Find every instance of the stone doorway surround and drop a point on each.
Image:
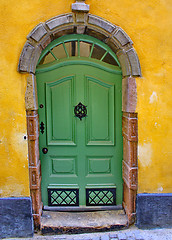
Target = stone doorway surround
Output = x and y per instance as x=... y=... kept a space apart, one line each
x=81 y=22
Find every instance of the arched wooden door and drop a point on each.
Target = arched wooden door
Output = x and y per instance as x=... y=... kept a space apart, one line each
x=79 y=95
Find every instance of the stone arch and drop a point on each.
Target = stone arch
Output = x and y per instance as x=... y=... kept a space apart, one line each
x=81 y=22
x=89 y=24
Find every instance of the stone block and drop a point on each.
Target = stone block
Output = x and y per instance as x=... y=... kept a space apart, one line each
x=113 y=44
x=129 y=94
x=37 y=220
x=124 y=62
x=134 y=62
x=35 y=176
x=80 y=7
x=129 y=128
x=31 y=101
x=129 y=175
x=35 y=58
x=44 y=43
x=105 y=237
x=96 y=32
x=36 y=200
x=65 y=30
x=130 y=152
x=16 y=217
x=33 y=151
x=80 y=29
x=95 y=238
x=122 y=37
x=113 y=235
x=138 y=236
x=81 y=17
x=154 y=210
x=95 y=20
x=37 y=33
x=26 y=57
x=122 y=236
x=129 y=202
x=32 y=127
x=58 y=21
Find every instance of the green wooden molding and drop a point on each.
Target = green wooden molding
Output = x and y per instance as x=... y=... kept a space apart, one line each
x=79 y=38
x=76 y=61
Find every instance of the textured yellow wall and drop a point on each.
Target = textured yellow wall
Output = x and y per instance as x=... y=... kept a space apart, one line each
x=147 y=23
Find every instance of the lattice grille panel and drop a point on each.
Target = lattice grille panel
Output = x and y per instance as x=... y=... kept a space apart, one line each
x=63 y=197
x=100 y=196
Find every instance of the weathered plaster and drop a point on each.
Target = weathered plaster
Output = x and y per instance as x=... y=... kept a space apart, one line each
x=147 y=23
x=145 y=154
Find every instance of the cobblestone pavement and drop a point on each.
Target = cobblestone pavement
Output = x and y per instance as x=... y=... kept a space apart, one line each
x=132 y=233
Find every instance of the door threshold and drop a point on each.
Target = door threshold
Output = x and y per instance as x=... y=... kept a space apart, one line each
x=82 y=208
x=58 y=222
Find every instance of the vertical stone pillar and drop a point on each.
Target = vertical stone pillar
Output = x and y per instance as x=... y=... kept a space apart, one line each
x=33 y=146
x=130 y=139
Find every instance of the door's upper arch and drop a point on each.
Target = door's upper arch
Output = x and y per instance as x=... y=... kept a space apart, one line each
x=44 y=33
x=77 y=46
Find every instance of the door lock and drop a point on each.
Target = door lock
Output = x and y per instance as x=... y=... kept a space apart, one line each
x=45 y=150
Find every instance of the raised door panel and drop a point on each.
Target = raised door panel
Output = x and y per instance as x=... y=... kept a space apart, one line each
x=99 y=165
x=63 y=166
x=100 y=126
x=59 y=106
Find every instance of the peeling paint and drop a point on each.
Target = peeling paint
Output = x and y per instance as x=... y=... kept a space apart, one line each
x=160 y=189
x=153 y=98
x=145 y=154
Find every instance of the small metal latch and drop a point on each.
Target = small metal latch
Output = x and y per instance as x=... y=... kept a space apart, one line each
x=42 y=127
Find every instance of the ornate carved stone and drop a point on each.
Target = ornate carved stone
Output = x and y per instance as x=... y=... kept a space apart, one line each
x=34 y=163
x=130 y=167
x=129 y=128
x=35 y=176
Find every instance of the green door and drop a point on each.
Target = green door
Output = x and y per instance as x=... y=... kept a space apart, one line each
x=81 y=158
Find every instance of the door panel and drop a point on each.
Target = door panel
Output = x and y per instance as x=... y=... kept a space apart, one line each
x=100 y=128
x=59 y=103
x=99 y=165
x=62 y=165
x=82 y=154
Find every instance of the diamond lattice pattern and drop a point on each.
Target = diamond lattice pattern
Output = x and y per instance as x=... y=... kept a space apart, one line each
x=63 y=197
x=101 y=197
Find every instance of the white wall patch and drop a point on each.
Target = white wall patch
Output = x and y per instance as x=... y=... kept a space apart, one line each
x=145 y=154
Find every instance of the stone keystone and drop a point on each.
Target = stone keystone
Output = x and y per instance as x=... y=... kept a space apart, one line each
x=80 y=6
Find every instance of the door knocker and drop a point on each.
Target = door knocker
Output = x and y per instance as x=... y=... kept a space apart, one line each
x=80 y=111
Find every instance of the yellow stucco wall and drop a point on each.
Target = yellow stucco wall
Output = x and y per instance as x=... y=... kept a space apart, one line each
x=147 y=23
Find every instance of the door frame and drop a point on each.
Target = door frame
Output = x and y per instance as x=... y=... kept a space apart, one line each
x=82 y=22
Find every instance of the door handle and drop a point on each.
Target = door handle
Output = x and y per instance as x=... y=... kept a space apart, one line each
x=45 y=150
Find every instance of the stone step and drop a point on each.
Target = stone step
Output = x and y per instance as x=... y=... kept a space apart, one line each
x=82 y=222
